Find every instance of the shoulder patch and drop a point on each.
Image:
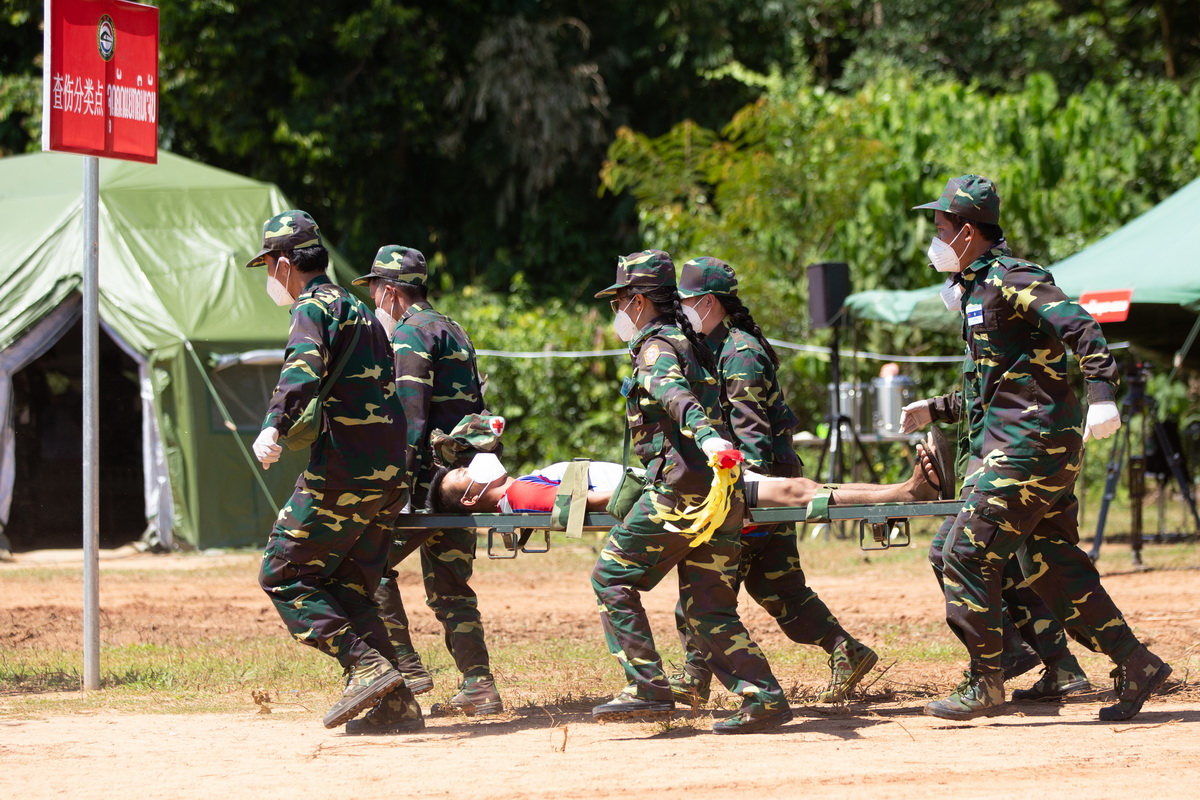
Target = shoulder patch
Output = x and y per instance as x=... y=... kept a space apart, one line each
x=651 y=354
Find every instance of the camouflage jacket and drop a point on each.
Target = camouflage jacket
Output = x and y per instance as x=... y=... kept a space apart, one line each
x=757 y=413
x=362 y=437
x=437 y=380
x=1015 y=387
x=672 y=405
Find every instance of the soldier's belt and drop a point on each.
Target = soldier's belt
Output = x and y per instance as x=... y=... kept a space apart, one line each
x=880 y=525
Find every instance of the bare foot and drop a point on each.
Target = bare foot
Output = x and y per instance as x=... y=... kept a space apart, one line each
x=920 y=485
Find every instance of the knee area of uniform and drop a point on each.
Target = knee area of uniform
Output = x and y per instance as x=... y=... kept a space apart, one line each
x=618 y=596
x=268 y=579
x=935 y=559
x=975 y=563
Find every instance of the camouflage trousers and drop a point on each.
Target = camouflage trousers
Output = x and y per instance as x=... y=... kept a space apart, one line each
x=1027 y=619
x=1023 y=507
x=770 y=570
x=328 y=547
x=447 y=563
x=638 y=555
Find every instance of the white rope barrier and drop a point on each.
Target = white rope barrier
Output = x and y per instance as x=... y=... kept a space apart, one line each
x=803 y=348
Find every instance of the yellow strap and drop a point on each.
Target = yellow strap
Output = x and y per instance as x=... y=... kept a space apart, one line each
x=570 y=501
x=576 y=477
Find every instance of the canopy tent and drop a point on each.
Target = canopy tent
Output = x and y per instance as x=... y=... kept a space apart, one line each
x=174 y=296
x=1155 y=255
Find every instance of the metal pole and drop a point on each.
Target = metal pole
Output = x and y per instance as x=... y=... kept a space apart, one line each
x=91 y=406
x=835 y=415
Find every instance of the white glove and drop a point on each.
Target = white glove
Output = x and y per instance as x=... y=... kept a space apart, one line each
x=1103 y=419
x=265 y=447
x=715 y=444
x=915 y=416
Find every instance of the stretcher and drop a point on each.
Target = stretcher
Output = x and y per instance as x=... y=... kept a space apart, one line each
x=880 y=525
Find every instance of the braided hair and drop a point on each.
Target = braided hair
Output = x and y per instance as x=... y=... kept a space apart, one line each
x=740 y=318
x=665 y=300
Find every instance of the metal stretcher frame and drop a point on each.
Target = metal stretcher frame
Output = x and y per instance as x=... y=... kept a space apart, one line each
x=885 y=525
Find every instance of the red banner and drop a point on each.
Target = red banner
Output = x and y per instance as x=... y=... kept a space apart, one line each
x=100 y=80
x=1112 y=306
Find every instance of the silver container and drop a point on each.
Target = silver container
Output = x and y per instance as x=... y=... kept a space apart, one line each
x=891 y=396
x=854 y=400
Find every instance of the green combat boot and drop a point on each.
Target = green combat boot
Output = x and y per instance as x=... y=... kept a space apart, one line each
x=1134 y=679
x=627 y=705
x=1058 y=680
x=754 y=717
x=477 y=695
x=689 y=690
x=848 y=663
x=399 y=712
x=368 y=680
x=976 y=696
x=416 y=677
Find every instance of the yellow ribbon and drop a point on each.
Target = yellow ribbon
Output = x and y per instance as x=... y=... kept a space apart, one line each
x=710 y=514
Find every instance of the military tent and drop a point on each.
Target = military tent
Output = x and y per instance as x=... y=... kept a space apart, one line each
x=1154 y=255
x=190 y=348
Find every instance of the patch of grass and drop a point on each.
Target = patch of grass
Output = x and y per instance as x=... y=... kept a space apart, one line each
x=535 y=668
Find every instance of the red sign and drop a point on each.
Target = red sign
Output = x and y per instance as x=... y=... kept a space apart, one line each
x=1110 y=306
x=100 y=80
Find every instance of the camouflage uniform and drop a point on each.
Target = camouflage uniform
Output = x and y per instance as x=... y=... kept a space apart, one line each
x=761 y=422
x=1028 y=623
x=438 y=383
x=330 y=542
x=1027 y=425
x=672 y=406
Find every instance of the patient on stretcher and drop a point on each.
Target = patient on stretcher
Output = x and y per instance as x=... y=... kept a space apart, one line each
x=454 y=491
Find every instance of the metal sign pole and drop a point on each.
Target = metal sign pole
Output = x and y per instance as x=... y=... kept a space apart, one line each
x=91 y=407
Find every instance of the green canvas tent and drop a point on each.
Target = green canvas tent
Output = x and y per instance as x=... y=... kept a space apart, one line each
x=175 y=298
x=1155 y=255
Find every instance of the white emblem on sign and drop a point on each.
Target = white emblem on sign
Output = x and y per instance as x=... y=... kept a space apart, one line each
x=106 y=37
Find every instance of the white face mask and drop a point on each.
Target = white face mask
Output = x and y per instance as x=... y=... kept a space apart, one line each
x=942 y=255
x=484 y=469
x=277 y=290
x=952 y=294
x=696 y=319
x=623 y=325
x=385 y=319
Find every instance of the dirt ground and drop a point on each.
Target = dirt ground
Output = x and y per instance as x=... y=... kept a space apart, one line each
x=885 y=747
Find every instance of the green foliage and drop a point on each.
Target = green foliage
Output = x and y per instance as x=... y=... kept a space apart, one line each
x=20 y=76
x=557 y=408
x=1177 y=400
x=1000 y=45
x=806 y=174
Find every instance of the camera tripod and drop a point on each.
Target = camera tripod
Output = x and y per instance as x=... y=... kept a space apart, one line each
x=1137 y=402
x=834 y=438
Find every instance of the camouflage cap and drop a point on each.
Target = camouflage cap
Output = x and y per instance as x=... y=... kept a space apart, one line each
x=647 y=268
x=397 y=263
x=287 y=231
x=707 y=275
x=476 y=433
x=971 y=197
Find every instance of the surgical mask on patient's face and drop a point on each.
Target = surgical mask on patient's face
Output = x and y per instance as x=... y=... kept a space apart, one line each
x=484 y=469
